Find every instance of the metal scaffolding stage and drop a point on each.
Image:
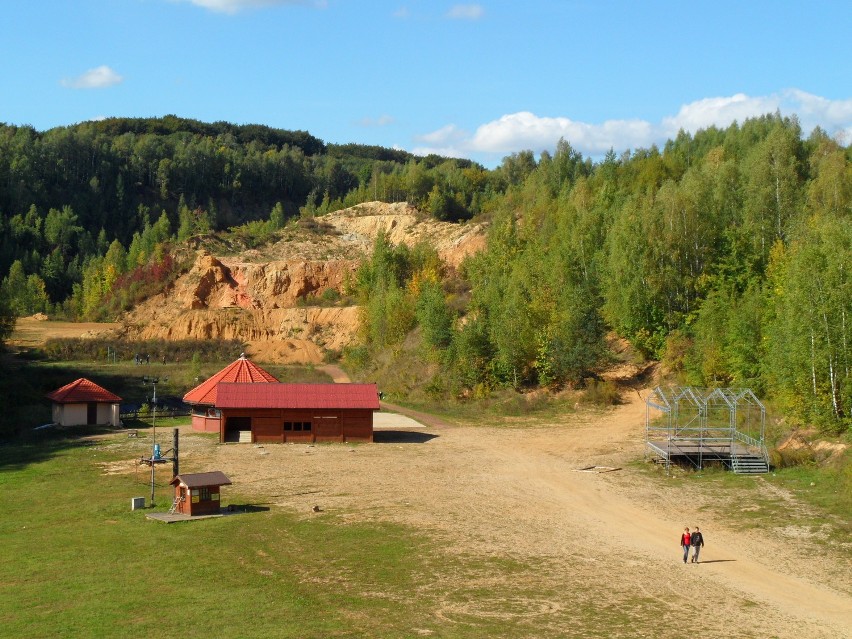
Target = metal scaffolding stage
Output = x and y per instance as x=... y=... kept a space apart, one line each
x=694 y=426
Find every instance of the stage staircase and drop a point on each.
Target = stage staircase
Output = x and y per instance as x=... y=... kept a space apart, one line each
x=749 y=464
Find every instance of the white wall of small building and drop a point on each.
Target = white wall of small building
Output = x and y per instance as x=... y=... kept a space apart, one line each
x=108 y=414
x=70 y=414
x=78 y=414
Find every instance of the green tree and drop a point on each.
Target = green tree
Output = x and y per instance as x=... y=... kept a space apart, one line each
x=277 y=217
x=433 y=315
x=773 y=189
x=7 y=318
x=811 y=337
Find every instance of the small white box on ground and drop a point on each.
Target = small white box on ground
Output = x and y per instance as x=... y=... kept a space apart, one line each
x=136 y=503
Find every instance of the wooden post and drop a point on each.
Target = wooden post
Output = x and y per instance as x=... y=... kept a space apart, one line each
x=175 y=462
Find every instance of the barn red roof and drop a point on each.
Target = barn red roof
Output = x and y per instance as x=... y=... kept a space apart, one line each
x=194 y=480
x=241 y=371
x=82 y=390
x=364 y=396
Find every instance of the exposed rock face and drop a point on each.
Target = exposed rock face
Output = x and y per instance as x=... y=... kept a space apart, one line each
x=403 y=225
x=222 y=283
x=261 y=297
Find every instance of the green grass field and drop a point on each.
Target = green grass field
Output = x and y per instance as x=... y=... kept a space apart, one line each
x=78 y=562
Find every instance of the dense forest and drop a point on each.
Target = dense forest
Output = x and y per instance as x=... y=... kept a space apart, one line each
x=726 y=253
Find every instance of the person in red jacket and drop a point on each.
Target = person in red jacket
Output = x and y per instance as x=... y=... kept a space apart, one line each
x=697 y=541
x=685 y=541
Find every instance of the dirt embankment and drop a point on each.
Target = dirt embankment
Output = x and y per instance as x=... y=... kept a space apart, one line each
x=263 y=297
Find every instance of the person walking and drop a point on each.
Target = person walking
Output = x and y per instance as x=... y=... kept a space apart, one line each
x=685 y=541
x=696 y=539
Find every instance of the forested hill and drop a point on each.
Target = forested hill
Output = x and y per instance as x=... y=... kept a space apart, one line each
x=727 y=253
x=106 y=170
x=68 y=193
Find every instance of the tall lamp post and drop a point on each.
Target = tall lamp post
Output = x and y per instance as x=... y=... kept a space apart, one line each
x=153 y=381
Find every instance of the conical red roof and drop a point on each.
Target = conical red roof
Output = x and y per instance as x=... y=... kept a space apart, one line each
x=82 y=391
x=241 y=372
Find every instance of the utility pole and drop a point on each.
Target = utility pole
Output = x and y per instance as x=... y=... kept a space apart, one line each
x=154 y=456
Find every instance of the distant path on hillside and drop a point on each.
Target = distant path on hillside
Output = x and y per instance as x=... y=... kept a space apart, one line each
x=423 y=418
x=337 y=374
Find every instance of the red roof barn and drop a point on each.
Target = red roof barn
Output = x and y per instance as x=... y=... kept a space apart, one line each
x=297 y=412
x=205 y=415
x=84 y=402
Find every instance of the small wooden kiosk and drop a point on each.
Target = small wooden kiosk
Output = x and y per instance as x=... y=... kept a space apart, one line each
x=198 y=493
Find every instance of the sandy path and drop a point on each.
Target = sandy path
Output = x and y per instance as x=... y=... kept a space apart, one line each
x=599 y=510
x=514 y=491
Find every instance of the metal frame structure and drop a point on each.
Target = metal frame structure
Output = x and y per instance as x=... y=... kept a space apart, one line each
x=697 y=425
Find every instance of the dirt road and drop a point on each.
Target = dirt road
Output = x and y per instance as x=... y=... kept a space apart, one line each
x=515 y=491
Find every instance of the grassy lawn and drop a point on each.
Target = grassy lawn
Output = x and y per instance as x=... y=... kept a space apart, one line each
x=79 y=562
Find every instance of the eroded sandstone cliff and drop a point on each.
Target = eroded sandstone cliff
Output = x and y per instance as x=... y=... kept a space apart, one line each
x=269 y=298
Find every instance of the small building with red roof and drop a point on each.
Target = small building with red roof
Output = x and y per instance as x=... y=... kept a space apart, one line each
x=244 y=403
x=205 y=416
x=305 y=413
x=83 y=402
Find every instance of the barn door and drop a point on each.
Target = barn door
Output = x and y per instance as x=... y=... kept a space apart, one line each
x=91 y=413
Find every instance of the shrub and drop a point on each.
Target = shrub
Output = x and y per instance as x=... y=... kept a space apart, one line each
x=77 y=349
x=792 y=457
x=601 y=393
x=357 y=357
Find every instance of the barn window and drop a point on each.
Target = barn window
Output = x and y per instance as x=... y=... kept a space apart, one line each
x=204 y=493
x=297 y=426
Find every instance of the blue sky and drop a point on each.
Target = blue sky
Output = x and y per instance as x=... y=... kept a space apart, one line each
x=470 y=79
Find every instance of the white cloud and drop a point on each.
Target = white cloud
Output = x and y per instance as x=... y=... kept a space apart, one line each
x=235 y=6
x=524 y=130
x=466 y=12
x=98 y=78
x=721 y=112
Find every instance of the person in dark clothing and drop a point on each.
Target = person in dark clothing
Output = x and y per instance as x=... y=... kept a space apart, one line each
x=696 y=539
x=685 y=541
